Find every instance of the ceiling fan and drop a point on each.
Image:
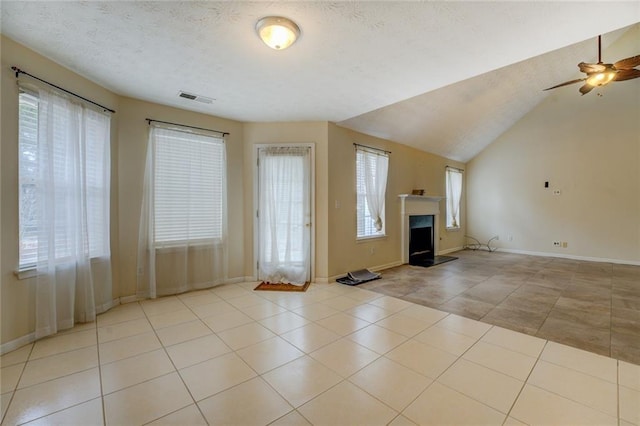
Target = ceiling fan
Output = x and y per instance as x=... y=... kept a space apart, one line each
x=601 y=74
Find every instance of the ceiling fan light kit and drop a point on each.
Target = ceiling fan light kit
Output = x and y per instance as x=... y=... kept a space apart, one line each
x=601 y=74
x=600 y=79
x=277 y=32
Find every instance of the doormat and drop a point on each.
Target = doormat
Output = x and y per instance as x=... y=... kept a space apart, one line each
x=267 y=286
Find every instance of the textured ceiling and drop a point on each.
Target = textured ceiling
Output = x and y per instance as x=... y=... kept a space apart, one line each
x=383 y=68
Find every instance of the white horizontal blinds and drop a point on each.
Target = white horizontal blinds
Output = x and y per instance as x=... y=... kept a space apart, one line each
x=368 y=163
x=454 y=194
x=364 y=223
x=64 y=173
x=98 y=164
x=28 y=177
x=189 y=183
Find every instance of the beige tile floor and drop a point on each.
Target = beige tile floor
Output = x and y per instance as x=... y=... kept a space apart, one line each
x=335 y=355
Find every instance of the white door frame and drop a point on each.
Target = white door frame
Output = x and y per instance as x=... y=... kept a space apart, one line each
x=312 y=201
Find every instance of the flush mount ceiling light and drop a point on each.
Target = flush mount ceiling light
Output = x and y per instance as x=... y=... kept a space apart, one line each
x=277 y=32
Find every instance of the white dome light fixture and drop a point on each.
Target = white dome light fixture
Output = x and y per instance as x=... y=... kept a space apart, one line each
x=277 y=32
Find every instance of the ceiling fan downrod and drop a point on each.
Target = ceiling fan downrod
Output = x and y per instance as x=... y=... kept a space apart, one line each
x=599 y=49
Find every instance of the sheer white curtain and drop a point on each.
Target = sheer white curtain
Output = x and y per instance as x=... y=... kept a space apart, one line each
x=284 y=214
x=376 y=167
x=454 y=193
x=183 y=222
x=72 y=209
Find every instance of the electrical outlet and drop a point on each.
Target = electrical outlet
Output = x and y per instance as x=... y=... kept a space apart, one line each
x=557 y=192
x=564 y=244
x=557 y=244
x=372 y=250
x=510 y=237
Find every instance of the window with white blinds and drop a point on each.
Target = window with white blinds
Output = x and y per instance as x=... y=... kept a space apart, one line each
x=365 y=224
x=28 y=178
x=189 y=187
x=68 y=163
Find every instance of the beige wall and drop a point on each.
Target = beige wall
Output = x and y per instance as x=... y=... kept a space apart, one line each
x=18 y=297
x=275 y=133
x=587 y=147
x=132 y=147
x=408 y=169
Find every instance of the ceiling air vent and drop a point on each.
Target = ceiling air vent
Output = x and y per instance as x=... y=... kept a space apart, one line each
x=197 y=98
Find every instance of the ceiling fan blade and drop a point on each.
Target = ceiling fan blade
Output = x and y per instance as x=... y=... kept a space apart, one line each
x=586 y=89
x=628 y=63
x=591 y=68
x=566 y=83
x=626 y=74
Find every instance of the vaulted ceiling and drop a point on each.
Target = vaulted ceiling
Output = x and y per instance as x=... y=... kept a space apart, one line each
x=444 y=77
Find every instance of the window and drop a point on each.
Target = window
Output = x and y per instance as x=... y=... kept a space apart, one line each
x=371 y=185
x=64 y=172
x=189 y=187
x=454 y=193
x=28 y=176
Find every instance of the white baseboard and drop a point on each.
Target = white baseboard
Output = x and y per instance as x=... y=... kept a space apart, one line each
x=571 y=256
x=17 y=343
x=235 y=280
x=386 y=266
x=451 y=250
x=129 y=299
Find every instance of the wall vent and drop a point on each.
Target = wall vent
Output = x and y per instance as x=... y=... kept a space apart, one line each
x=197 y=98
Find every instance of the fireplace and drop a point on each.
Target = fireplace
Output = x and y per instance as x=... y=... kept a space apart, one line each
x=421 y=243
x=419 y=213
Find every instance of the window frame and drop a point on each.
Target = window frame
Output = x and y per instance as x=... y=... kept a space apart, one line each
x=166 y=244
x=361 y=200
x=26 y=269
x=448 y=225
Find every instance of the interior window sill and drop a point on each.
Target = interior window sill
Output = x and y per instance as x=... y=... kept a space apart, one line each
x=453 y=229
x=24 y=274
x=370 y=238
x=30 y=272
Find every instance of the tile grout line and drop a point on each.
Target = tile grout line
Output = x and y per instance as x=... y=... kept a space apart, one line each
x=104 y=412
x=15 y=389
x=526 y=381
x=175 y=368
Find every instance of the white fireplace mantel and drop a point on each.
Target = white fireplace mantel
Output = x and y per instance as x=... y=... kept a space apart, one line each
x=413 y=205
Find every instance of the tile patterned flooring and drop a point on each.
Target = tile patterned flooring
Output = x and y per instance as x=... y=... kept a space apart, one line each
x=335 y=355
x=588 y=305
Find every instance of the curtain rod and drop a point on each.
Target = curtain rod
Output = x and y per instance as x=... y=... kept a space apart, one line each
x=150 y=120
x=454 y=168
x=18 y=71
x=373 y=148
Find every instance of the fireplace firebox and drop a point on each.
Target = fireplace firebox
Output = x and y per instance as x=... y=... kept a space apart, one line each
x=421 y=239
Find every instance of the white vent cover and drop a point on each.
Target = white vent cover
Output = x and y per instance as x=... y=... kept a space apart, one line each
x=197 y=98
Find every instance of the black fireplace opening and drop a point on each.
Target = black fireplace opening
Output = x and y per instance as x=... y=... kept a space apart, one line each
x=421 y=244
x=422 y=250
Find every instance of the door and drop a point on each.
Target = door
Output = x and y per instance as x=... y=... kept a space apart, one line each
x=284 y=213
